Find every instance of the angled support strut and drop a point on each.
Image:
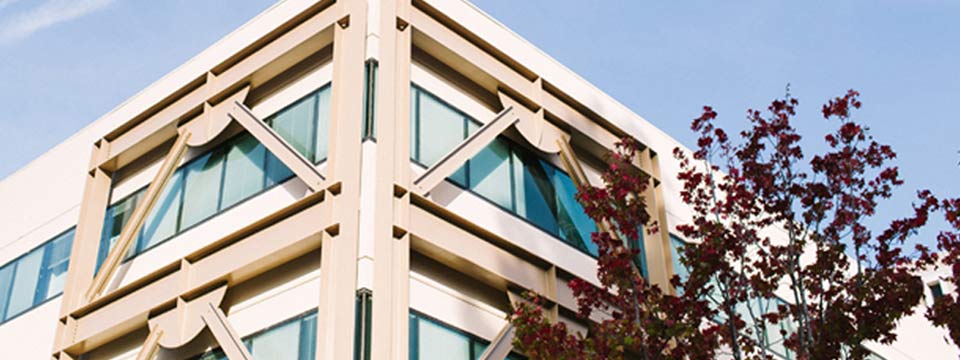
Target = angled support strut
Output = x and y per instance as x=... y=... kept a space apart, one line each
x=467 y=149
x=128 y=234
x=279 y=147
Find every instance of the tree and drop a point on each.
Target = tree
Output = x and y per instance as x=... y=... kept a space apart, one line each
x=945 y=311
x=768 y=223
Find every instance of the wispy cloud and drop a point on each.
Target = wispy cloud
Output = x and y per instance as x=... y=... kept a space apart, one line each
x=5 y=3
x=20 y=25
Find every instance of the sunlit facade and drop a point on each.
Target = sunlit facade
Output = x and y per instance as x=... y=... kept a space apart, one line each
x=352 y=179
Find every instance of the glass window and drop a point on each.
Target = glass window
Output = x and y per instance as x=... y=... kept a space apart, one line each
x=490 y=175
x=35 y=277
x=222 y=177
x=6 y=282
x=432 y=340
x=26 y=277
x=243 y=170
x=506 y=174
x=162 y=221
x=439 y=127
x=575 y=226
x=535 y=192
x=117 y=217
x=279 y=343
x=676 y=251
x=55 y=263
x=294 y=339
x=201 y=188
x=438 y=343
x=936 y=290
x=323 y=124
x=296 y=125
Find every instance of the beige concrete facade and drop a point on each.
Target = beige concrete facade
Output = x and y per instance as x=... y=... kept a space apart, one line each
x=368 y=220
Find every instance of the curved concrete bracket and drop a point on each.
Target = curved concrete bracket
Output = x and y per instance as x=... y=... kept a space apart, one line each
x=540 y=133
x=215 y=118
x=183 y=323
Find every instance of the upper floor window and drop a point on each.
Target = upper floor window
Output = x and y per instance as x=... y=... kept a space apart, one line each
x=294 y=339
x=506 y=174
x=34 y=277
x=224 y=176
x=432 y=340
x=936 y=290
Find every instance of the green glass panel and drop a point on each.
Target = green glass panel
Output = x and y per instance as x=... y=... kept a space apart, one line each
x=162 y=221
x=243 y=170
x=323 y=124
x=440 y=129
x=297 y=125
x=490 y=174
x=201 y=189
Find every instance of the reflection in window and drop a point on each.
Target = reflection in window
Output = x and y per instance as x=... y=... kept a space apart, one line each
x=226 y=175
x=506 y=174
x=35 y=277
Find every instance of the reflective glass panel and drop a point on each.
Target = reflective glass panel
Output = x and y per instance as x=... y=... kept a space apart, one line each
x=440 y=129
x=6 y=282
x=201 y=189
x=279 y=343
x=243 y=170
x=297 y=126
x=490 y=174
x=323 y=124
x=162 y=221
x=25 y=281
x=439 y=343
x=56 y=261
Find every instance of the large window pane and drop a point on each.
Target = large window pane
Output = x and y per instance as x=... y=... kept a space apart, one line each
x=575 y=226
x=117 y=217
x=297 y=125
x=279 y=343
x=201 y=189
x=323 y=124
x=490 y=174
x=6 y=282
x=438 y=343
x=244 y=170
x=534 y=191
x=308 y=337
x=162 y=221
x=676 y=249
x=440 y=129
x=56 y=260
x=25 y=282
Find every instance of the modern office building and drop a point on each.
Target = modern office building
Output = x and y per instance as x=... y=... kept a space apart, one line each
x=359 y=179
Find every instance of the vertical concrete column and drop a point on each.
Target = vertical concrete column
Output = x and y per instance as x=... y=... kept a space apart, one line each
x=335 y=316
x=86 y=241
x=391 y=248
x=656 y=246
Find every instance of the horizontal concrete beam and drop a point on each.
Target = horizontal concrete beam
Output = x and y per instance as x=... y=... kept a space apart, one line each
x=257 y=248
x=256 y=68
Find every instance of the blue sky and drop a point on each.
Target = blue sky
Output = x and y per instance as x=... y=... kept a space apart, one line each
x=64 y=63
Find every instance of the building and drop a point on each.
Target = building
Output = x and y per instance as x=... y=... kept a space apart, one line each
x=368 y=179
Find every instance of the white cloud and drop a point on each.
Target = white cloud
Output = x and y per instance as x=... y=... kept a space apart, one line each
x=20 y=25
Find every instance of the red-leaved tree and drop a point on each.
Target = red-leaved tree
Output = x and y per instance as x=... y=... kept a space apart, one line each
x=779 y=259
